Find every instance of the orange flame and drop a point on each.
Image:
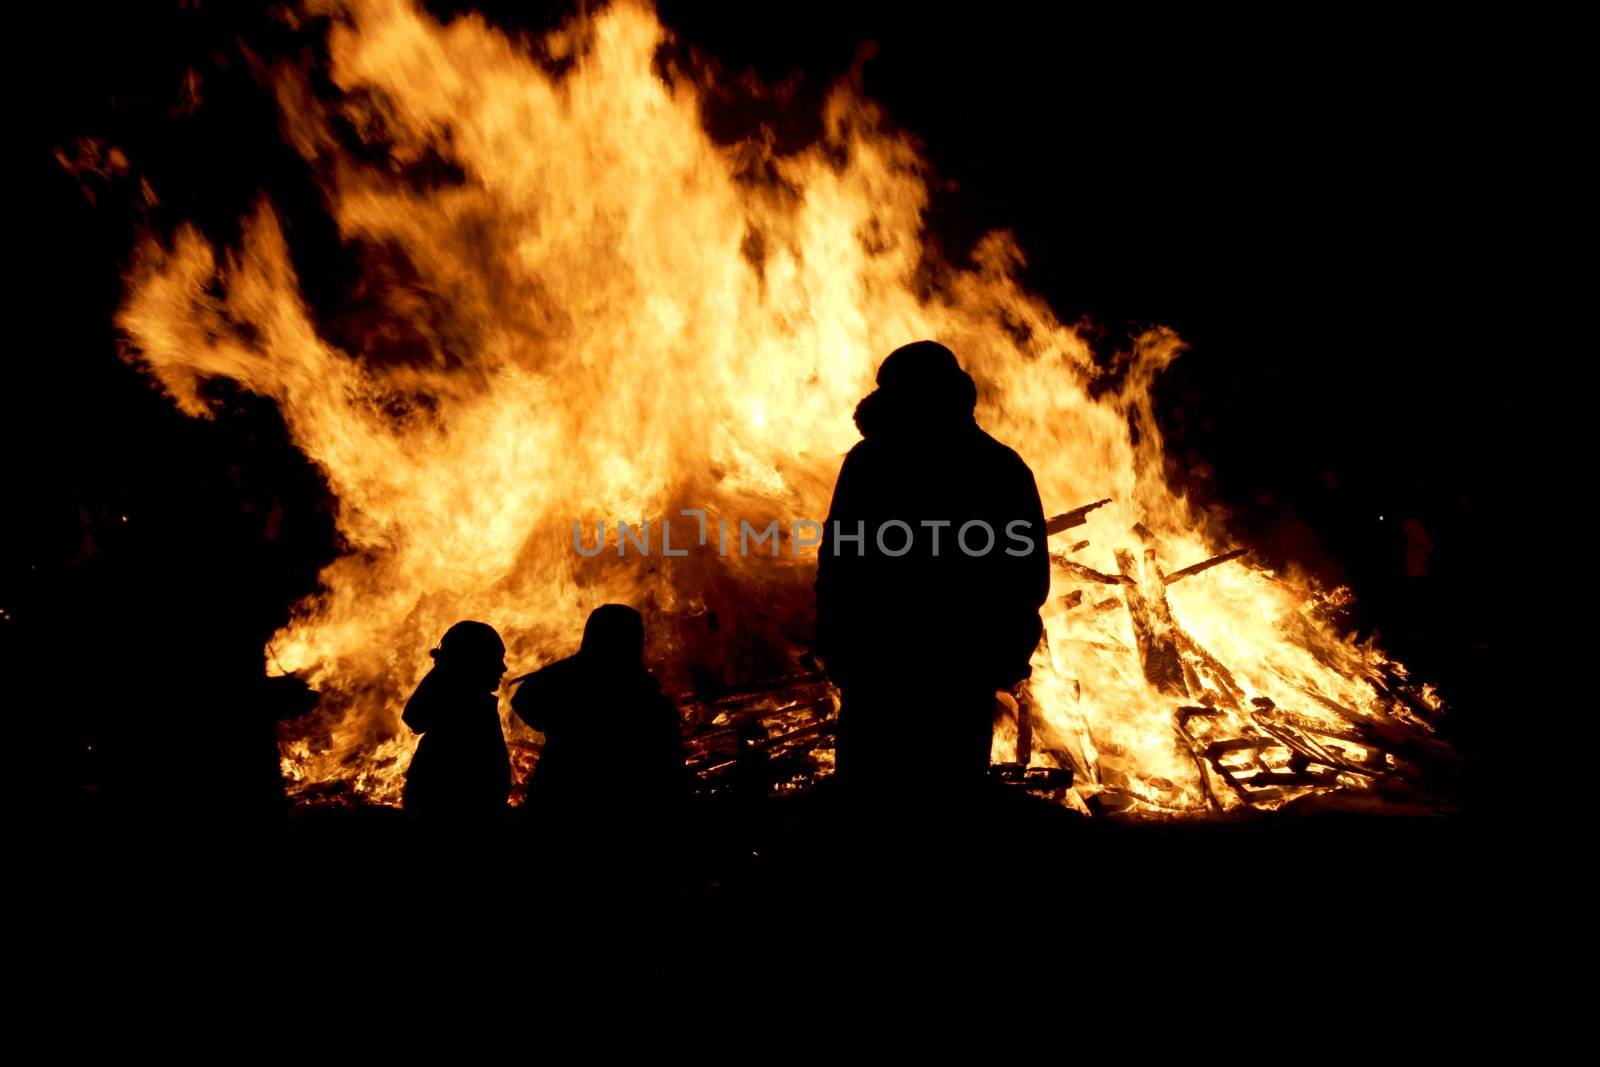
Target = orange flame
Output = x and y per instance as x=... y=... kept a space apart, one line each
x=601 y=313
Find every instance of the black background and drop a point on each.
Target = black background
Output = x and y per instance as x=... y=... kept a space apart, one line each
x=1333 y=208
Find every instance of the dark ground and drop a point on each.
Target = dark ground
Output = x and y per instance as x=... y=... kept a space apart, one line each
x=1336 y=210
x=1307 y=918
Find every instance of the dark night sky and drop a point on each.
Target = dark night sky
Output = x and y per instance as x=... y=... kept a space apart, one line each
x=1330 y=206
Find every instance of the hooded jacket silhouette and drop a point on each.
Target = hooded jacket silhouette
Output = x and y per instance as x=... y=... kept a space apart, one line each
x=612 y=740
x=461 y=767
x=936 y=606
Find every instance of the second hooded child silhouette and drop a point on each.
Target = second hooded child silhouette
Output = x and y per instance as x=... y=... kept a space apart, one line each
x=611 y=736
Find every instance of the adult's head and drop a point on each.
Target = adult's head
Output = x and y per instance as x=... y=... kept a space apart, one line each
x=920 y=386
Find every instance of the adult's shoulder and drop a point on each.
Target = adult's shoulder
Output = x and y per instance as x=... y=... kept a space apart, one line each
x=865 y=456
x=863 y=451
x=1002 y=454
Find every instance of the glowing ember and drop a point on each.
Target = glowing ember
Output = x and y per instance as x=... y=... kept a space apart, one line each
x=586 y=309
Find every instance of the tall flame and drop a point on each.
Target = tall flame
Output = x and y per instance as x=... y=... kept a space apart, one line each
x=588 y=309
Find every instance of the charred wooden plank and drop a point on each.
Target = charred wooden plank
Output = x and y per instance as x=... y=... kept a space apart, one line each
x=1307 y=747
x=1396 y=737
x=1408 y=703
x=1068 y=519
x=713 y=758
x=754 y=689
x=1249 y=774
x=1349 y=732
x=1253 y=781
x=1276 y=780
x=1229 y=692
x=1034 y=778
x=1217 y=749
x=1189 y=711
x=1025 y=713
x=1191 y=679
x=1153 y=627
x=787 y=740
x=1087 y=574
x=1197 y=753
x=1203 y=565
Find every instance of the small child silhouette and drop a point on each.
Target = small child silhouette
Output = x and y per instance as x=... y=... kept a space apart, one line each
x=461 y=768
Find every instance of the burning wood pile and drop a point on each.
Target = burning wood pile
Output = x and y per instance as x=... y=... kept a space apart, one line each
x=1249 y=753
x=570 y=302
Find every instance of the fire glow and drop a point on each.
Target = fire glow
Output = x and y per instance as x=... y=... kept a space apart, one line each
x=585 y=305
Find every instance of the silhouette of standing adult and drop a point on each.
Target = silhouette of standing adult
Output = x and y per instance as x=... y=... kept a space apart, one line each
x=612 y=742
x=931 y=572
x=461 y=769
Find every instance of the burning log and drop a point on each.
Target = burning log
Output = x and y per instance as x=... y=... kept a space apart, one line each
x=779 y=721
x=1293 y=764
x=1396 y=737
x=756 y=689
x=1203 y=565
x=1087 y=574
x=721 y=758
x=1408 y=701
x=1256 y=780
x=1040 y=779
x=1227 y=690
x=1068 y=519
x=1153 y=627
x=1196 y=752
x=1349 y=734
x=1243 y=763
x=1305 y=745
x=1018 y=705
x=788 y=696
x=1024 y=725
